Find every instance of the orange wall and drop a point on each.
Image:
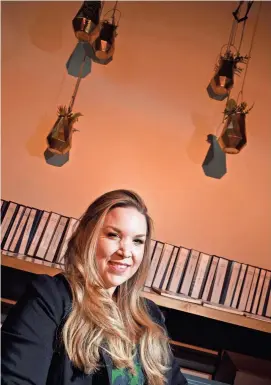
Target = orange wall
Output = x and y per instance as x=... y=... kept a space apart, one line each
x=146 y=118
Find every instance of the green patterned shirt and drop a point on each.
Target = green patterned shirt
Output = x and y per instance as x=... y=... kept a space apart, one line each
x=124 y=377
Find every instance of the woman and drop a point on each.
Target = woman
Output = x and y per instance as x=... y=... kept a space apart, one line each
x=90 y=325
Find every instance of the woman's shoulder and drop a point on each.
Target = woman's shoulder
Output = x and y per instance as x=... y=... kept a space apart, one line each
x=154 y=311
x=54 y=291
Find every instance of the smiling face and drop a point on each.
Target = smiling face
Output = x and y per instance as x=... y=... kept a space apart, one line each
x=120 y=246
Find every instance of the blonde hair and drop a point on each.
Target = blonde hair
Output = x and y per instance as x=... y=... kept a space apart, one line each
x=96 y=320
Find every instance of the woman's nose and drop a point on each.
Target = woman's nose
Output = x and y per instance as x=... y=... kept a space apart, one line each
x=125 y=249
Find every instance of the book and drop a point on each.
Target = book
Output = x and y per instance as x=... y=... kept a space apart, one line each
x=170 y=267
x=56 y=239
x=239 y=285
x=189 y=272
x=200 y=275
x=246 y=288
x=19 y=230
x=264 y=293
x=258 y=292
x=178 y=270
x=8 y=220
x=25 y=233
x=268 y=305
x=154 y=263
x=252 y=290
x=47 y=234
x=72 y=225
x=42 y=220
x=15 y=223
x=210 y=278
x=219 y=280
x=162 y=266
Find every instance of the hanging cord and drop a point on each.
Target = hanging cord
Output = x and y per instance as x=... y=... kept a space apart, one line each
x=77 y=85
x=241 y=93
x=234 y=26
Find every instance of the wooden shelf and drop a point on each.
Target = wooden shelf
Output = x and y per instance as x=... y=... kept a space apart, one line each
x=170 y=303
x=31 y=267
x=203 y=311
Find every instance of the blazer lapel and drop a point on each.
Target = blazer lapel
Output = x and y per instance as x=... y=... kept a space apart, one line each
x=108 y=365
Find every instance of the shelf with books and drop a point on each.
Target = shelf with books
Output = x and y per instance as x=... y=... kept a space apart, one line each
x=203 y=311
x=31 y=267
x=166 y=302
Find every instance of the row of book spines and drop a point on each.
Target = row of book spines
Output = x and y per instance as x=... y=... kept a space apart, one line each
x=44 y=235
x=35 y=233
x=210 y=278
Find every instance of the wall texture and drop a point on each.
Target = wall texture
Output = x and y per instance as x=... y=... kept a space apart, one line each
x=146 y=118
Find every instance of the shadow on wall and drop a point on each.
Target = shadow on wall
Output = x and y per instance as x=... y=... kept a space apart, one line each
x=37 y=144
x=44 y=14
x=196 y=147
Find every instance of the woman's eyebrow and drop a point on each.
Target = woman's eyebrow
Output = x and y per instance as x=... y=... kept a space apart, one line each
x=119 y=231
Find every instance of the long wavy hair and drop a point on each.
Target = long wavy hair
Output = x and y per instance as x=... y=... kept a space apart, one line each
x=121 y=324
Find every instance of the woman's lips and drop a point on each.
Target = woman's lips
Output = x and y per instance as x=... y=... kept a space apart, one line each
x=117 y=267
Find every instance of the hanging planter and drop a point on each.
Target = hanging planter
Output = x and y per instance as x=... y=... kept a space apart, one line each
x=221 y=84
x=86 y=23
x=101 y=50
x=233 y=137
x=60 y=138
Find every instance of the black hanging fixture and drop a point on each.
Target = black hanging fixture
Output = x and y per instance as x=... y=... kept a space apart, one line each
x=86 y=23
x=222 y=82
x=102 y=49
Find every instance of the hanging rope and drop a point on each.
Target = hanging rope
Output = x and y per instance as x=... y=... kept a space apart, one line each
x=250 y=50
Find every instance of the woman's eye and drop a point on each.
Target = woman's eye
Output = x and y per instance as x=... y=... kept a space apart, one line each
x=112 y=235
x=139 y=241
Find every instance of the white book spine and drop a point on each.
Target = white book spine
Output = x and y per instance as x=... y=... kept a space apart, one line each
x=152 y=246
x=48 y=234
x=246 y=288
x=19 y=230
x=154 y=263
x=268 y=309
x=252 y=290
x=264 y=292
x=70 y=230
x=170 y=267
x=219 y=280
x=193 y=259
x=201 y=273
x=14 y=227
x=49 y=256
x=26 y=234
x=164 y=260
x=210 y=278
x=233 y=282
x=38 y=233
x=258 y=291
x=239 y=285
x=178 y=269
x=6 y=221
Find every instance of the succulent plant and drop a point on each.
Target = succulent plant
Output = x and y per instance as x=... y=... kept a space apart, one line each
x=233 y=108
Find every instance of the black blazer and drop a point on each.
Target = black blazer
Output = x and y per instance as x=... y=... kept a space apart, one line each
x=31 y=354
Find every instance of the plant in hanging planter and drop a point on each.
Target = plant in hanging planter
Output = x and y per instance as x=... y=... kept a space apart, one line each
x=233 y=108
x=60 y=138
x=233 y=137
